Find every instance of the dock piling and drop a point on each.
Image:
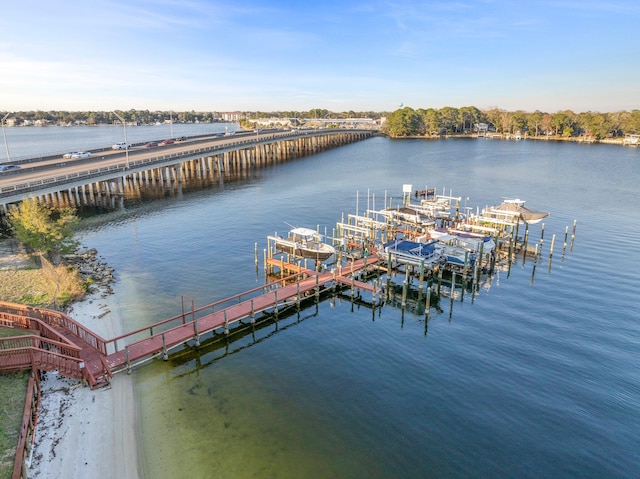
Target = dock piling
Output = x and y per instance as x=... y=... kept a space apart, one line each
x=128 y=360
x=165 y=354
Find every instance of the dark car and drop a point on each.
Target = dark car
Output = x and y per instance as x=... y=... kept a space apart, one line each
x=167 y=142
x=181 y=138
x=151 y=144
x=9 y=167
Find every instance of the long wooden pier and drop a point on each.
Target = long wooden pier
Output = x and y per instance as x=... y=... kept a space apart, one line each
x=77 y=352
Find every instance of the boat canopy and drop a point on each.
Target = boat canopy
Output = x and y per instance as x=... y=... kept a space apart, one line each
x=517 y=207
x=304 y=232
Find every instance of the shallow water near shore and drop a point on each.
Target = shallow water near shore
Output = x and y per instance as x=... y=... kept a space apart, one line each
x=536 y=376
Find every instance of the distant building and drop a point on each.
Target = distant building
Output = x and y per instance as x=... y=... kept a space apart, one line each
x=13 y=121
x=272 y=122
x=233 y=116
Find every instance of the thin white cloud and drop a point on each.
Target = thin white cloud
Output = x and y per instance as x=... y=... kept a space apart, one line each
x=215 y=54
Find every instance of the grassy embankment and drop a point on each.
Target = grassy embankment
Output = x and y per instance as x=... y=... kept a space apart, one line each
x=22 y=281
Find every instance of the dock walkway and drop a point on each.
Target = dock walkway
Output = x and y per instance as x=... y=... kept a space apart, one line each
x=160 y=343
x=97 y=364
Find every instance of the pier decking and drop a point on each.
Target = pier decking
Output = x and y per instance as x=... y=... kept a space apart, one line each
x=363 y=243
x=95 y=360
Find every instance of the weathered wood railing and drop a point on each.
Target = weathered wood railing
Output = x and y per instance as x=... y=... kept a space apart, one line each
x=50 y=351
x=195 y=313
x=27 y=428
x=56 y=318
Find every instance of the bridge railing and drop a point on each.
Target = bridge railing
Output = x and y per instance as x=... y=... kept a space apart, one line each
x=30 y=186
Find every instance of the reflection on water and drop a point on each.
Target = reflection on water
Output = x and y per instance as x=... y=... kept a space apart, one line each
x=512 y=381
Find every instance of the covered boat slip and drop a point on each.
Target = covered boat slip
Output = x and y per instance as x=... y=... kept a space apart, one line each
x=516 y=210
x=433 y=236
x=412 y=252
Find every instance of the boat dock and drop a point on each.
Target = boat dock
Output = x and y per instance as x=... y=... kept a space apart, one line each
x=95 y=360
x=430 y=241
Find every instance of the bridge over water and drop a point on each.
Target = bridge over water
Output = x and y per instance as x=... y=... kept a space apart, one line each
x=108 y=174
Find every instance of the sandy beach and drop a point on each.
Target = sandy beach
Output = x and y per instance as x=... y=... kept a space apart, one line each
x=83 y=433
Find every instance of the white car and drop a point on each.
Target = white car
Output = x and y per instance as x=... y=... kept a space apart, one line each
x=120 y=146
x=81 y=154
x=70 y=154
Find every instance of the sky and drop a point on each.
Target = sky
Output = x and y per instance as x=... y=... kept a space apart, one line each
x=281 y=55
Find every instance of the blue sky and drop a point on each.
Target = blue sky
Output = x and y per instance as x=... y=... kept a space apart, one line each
x=210 y=55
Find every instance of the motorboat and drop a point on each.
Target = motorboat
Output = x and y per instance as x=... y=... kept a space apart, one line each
x=515 y=208
x=303 y=243
x=472 y=242
x=412 y=252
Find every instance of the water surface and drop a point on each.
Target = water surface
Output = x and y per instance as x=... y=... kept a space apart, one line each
x=536 y=376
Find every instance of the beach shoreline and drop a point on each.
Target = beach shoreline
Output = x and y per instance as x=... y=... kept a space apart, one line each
x=82 y=432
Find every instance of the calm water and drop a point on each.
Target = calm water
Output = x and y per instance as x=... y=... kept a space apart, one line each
x=536 y=377
x=27 y=142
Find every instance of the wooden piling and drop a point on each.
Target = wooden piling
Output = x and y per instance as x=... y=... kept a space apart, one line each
x=427 y=303
x=128 y=360
x=195 y=330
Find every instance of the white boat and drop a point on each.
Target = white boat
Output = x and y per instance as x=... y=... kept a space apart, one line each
x=303 y=243
x=516 y=209
x=472 y=242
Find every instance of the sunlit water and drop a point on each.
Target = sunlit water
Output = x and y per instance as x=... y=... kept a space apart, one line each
x=537 y=376
x=29 y=142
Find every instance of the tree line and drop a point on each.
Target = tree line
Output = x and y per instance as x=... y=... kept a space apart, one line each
x=451 y=121
x=147 y=117
x=141 y=117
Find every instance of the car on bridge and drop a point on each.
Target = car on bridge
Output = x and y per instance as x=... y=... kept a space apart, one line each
x=70 y=154
x=81 y=154
x=151 y=144
x=121 y=146
x=9 y=167
x=166 y=142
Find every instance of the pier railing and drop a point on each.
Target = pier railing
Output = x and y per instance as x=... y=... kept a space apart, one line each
x=193 y=314
x=56 y=318
x=27 y=428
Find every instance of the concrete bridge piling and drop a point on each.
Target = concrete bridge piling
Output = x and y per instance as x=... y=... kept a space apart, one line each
x=168 y=174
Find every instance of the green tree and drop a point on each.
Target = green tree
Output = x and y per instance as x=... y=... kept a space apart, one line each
x=518 y=121
x=632 y=122
x=404 y=122
x=534 y=122
x=431 y=121
x=469 y=116
x=494 y=117
x=598 y=125
x=47 y=231
x=560 y=122
x=449 y=119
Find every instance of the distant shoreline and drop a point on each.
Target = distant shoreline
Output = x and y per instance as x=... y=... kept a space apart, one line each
x=509 y=137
